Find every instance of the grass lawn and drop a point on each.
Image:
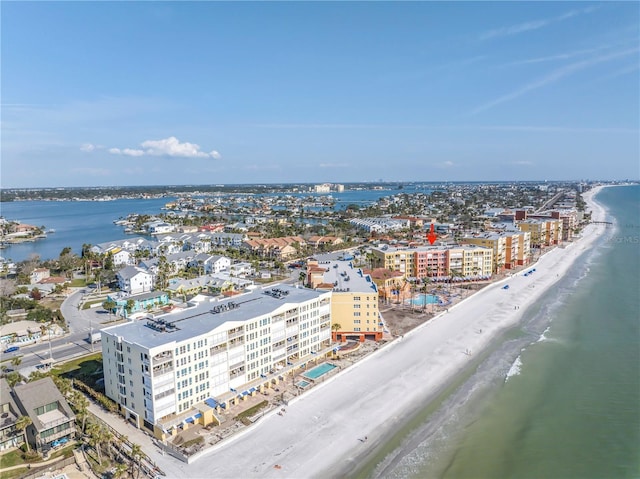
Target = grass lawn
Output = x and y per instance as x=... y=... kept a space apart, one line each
x=14 y=473
x=88 y=304
x=12 y=458
x=84 y=366
x=78 y=283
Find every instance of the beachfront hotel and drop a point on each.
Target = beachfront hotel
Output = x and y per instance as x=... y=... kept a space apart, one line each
x=354 y=300
x=510 y=248
x=544 y=232
x=186 y=365
x=436 y=262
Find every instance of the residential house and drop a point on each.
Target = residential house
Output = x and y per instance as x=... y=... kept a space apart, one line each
x=139 y=302
x=280 y=248
x=322 y=241
x=159 y=227
x=134 y=280
x=210 y=263
x=10 y=436
x=52 y=421
x=39 y=274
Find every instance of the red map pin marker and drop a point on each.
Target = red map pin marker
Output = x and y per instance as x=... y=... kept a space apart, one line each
x=432 y=235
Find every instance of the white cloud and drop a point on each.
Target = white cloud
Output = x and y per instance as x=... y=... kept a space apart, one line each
x=167 y=147
x=88 y=147
x=553 y=77
x=522 y=163
x=333 y=165
x=534 y=24
x=445 y=164
x=132 y=152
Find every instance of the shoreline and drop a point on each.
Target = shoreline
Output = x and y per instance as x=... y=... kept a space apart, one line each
x=342 y=421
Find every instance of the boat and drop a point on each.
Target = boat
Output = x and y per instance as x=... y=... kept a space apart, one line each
x=51 y=230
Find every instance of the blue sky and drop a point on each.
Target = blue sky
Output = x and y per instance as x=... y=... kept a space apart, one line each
x=121 y=93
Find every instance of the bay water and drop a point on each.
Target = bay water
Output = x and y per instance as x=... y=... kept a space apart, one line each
x=79 y=222
x=558 y=396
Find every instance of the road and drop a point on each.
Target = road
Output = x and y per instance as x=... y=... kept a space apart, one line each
x=80 y=321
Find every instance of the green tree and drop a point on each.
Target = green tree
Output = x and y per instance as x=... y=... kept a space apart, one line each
x=109 y=305
x=129 y=306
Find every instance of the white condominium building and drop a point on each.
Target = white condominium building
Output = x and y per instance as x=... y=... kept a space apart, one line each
x=161 y=368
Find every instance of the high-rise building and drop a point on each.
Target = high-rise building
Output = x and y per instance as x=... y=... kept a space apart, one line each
x=164 y=370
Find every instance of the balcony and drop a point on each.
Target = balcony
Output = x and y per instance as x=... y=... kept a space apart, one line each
x=161 y=371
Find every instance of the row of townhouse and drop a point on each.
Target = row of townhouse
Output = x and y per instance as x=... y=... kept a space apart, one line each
x=279 y=248
x=381 y=225
x=52 y=421
x=141 y=278
x=124 y=251
x=184 y=366
x=438 y=261
x=354 y=300
x=204 y=262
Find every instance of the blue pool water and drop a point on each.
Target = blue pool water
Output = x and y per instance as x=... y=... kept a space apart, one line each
x=302 y=384
x=423 y=299
x=318 y=371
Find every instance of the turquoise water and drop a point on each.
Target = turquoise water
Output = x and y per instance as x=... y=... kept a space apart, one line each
x=423 y=299
x=318 y=371
x=558 y=396
x=302 y=384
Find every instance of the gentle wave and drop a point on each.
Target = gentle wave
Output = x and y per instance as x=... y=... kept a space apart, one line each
x=515 y=369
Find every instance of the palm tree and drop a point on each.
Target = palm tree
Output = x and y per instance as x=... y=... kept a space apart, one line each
x=136 y=454
x=335 y=327
x=120 y=469
x=16 y=361
x=21 y=425
x=81 y=404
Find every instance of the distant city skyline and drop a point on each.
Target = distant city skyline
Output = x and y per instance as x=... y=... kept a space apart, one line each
x=152 y=93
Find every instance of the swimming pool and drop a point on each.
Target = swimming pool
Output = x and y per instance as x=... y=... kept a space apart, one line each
x=302 y=384
x=423 y=299
x=318 y=371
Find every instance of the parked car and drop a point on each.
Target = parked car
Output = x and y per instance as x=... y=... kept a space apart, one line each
x=506 y=286
x=12 y=349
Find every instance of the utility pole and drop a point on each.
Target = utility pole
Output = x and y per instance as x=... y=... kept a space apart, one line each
x=50 y=352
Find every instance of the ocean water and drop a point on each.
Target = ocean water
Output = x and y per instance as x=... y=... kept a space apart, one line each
x=559 y=395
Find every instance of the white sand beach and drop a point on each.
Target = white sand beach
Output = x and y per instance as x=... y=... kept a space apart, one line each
x=322 y=433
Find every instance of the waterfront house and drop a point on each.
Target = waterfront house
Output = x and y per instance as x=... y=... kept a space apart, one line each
x=52 y=420
x=159 y=227
x=38 y=275
x=121 y=256
x=134 y=280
